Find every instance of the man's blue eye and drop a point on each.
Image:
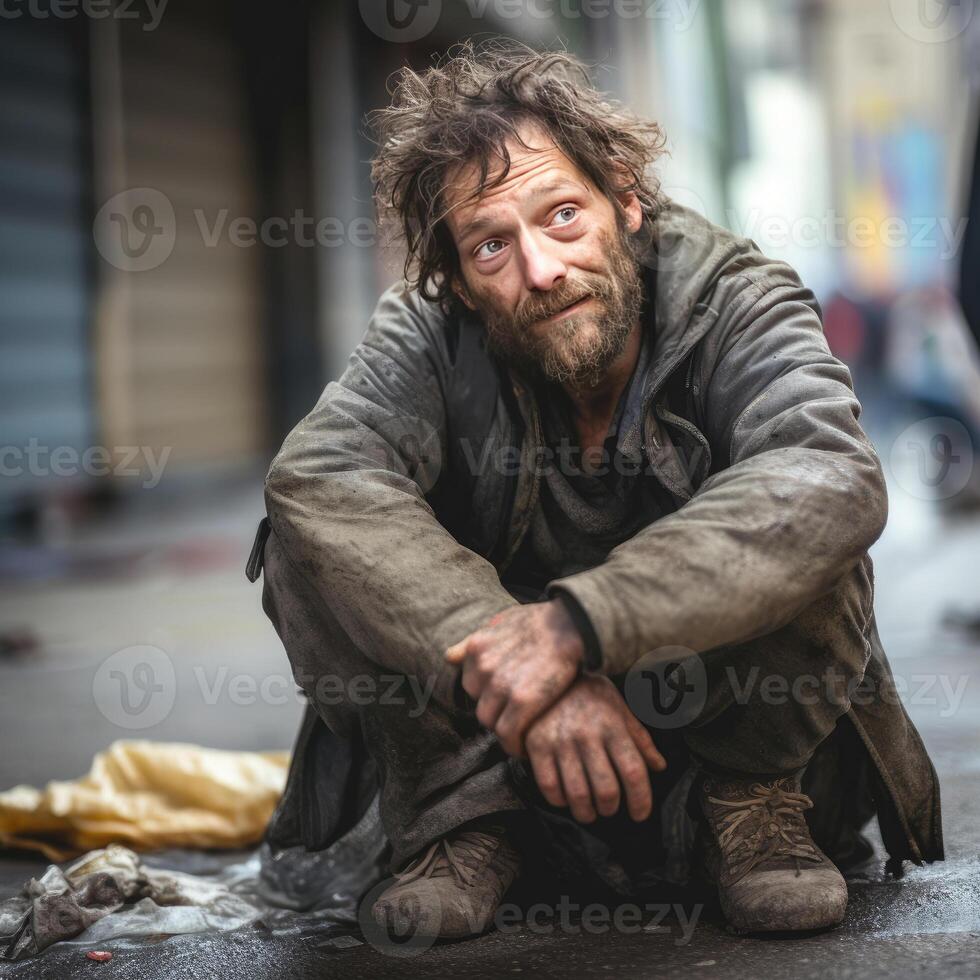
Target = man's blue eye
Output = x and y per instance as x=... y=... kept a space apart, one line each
x=573 y=211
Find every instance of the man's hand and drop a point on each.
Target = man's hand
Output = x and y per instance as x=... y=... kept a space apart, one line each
x=587 y=747
x=517 y=666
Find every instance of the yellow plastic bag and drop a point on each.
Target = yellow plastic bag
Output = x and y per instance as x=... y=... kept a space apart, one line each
x=149 y=795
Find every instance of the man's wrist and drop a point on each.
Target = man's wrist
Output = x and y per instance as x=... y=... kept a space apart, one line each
x=591 y=658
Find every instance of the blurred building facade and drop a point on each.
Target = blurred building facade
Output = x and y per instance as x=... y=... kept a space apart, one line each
x=231 y=137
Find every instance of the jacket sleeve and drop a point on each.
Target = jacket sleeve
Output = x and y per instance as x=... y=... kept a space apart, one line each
x=346 y=496
x=797 y=495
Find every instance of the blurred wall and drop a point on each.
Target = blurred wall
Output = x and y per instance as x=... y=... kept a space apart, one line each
x=156 y=323
x=189 y=249
x=179 y=352
x=46 y=256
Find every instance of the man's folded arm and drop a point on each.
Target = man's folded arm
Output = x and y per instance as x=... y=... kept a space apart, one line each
x=346 y=497
x=801 y=497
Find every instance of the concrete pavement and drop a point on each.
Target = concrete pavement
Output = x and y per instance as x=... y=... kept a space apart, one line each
x=209 y=623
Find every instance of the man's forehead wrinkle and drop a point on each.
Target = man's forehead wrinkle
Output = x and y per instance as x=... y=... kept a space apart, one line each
x=482 y=179
x=516 y=156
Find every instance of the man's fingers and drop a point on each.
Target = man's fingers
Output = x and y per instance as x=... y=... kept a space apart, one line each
x=602 y=779
x=634 y=776
x=456 y=654
x=474 y=680
x=575 y=786
x=488 y=709
x=546 y=776
x=513 y=723
x=651 y=754
x=644 y=742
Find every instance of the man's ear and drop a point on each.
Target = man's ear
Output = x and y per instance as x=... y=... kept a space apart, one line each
x=629 y=202
x=459 y=288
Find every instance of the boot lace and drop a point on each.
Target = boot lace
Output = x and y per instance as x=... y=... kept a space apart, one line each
x=767 y=824
x=462 y=857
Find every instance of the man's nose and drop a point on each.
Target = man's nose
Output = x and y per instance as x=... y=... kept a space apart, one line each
x=542 y=268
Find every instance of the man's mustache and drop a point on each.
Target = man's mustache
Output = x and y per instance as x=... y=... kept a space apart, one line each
x=557 y=299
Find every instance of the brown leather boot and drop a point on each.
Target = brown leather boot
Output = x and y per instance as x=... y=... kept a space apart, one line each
x=455 y=888
x=771 y=876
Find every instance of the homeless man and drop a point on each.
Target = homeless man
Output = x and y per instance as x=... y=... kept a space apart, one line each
x=589 y=430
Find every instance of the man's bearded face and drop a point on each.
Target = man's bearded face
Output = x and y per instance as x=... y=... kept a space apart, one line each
x=545 y=259
x=581 y=346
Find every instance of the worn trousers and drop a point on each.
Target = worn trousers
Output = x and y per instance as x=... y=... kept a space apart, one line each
x=761 y=708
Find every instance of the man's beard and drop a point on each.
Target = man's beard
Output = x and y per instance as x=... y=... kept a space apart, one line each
x=580 y=348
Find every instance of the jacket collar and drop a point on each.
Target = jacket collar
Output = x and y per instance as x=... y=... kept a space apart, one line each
x=681 y=258
x=684 y=254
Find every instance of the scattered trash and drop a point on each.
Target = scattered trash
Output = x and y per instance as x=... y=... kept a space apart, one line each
x=99 y=955
x=114 y=895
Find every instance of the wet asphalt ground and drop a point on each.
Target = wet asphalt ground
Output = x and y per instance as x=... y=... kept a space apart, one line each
x=928 y=923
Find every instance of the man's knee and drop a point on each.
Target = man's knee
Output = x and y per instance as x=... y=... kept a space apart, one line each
x=771 y=701
x=833 y=634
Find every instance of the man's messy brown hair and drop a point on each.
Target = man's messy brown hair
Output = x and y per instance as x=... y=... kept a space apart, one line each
x=462 y=110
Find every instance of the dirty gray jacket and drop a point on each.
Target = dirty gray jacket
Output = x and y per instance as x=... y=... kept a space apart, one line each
x=749 y=422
